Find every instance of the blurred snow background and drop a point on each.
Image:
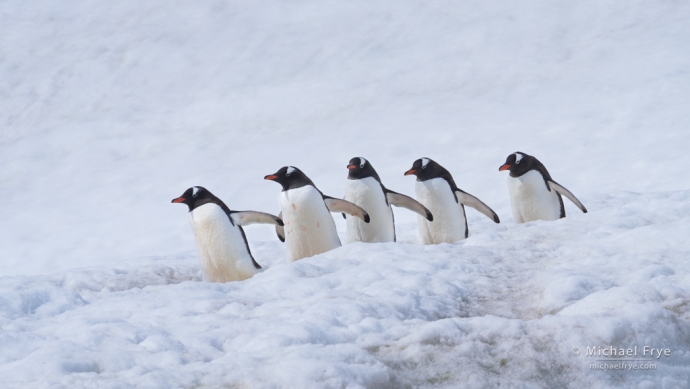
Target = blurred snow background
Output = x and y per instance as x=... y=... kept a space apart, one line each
x=110 y=109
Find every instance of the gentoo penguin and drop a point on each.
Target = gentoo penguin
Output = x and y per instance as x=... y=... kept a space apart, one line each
x=309 y=227
x=220 y=239
x=437 y=191
x=534 y=195
x=365 y=189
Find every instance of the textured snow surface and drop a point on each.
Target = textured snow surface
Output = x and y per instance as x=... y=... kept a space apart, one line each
x=108 y=110
x=506 y=306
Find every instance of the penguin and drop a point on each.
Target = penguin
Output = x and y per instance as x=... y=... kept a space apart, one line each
x=309 y=228
x=364 y=188
x=436 y=189
x=223 y=248
x=534 y=195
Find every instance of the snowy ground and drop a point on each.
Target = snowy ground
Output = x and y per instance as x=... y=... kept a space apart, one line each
x=108 y=110
x=504 y=307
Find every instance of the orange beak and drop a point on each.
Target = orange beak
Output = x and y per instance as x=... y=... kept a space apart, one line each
x=351 y=167
x=179 y=200
x=504 y=167
x=411 y=171
x=270 y=177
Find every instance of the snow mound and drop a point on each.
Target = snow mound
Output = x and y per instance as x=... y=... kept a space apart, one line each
x=504 y=307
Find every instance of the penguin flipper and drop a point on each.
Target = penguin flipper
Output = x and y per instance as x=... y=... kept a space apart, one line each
x=471 y=201
x=565 y=192
x=245 y=218
x=400 y=200
x=280 y=230
x=344 y=206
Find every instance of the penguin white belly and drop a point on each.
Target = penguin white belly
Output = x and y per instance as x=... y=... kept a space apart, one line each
x=222 y=249
x=449 y=219
x=531 y=200
x=368 y=194
x=309 y=226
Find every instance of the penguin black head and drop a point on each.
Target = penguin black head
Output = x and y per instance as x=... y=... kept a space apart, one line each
x=194 y=197
x=519 y=163
x=361 y=168
x=290 y=178
x=426 y=169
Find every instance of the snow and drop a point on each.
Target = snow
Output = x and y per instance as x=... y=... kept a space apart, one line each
x=111 y=109
x=505 y=306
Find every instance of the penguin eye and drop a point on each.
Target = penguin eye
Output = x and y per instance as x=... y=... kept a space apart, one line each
x=287 y=175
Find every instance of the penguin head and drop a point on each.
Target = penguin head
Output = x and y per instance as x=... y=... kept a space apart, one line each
x=518 y=163
x=289 y=177
x=359 y=168
x=194 y=197
x=425 y=169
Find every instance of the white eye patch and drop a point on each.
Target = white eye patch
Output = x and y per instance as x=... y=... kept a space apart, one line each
x=195 y=190
x=290 y=170
x=425 y=161
x=362 y=162
x=518 y=158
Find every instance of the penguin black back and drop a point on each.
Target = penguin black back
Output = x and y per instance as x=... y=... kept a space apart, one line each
x=520 y=163
x=428 y=169
x=360 y=168
x=290 y=177
x=197 y=196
